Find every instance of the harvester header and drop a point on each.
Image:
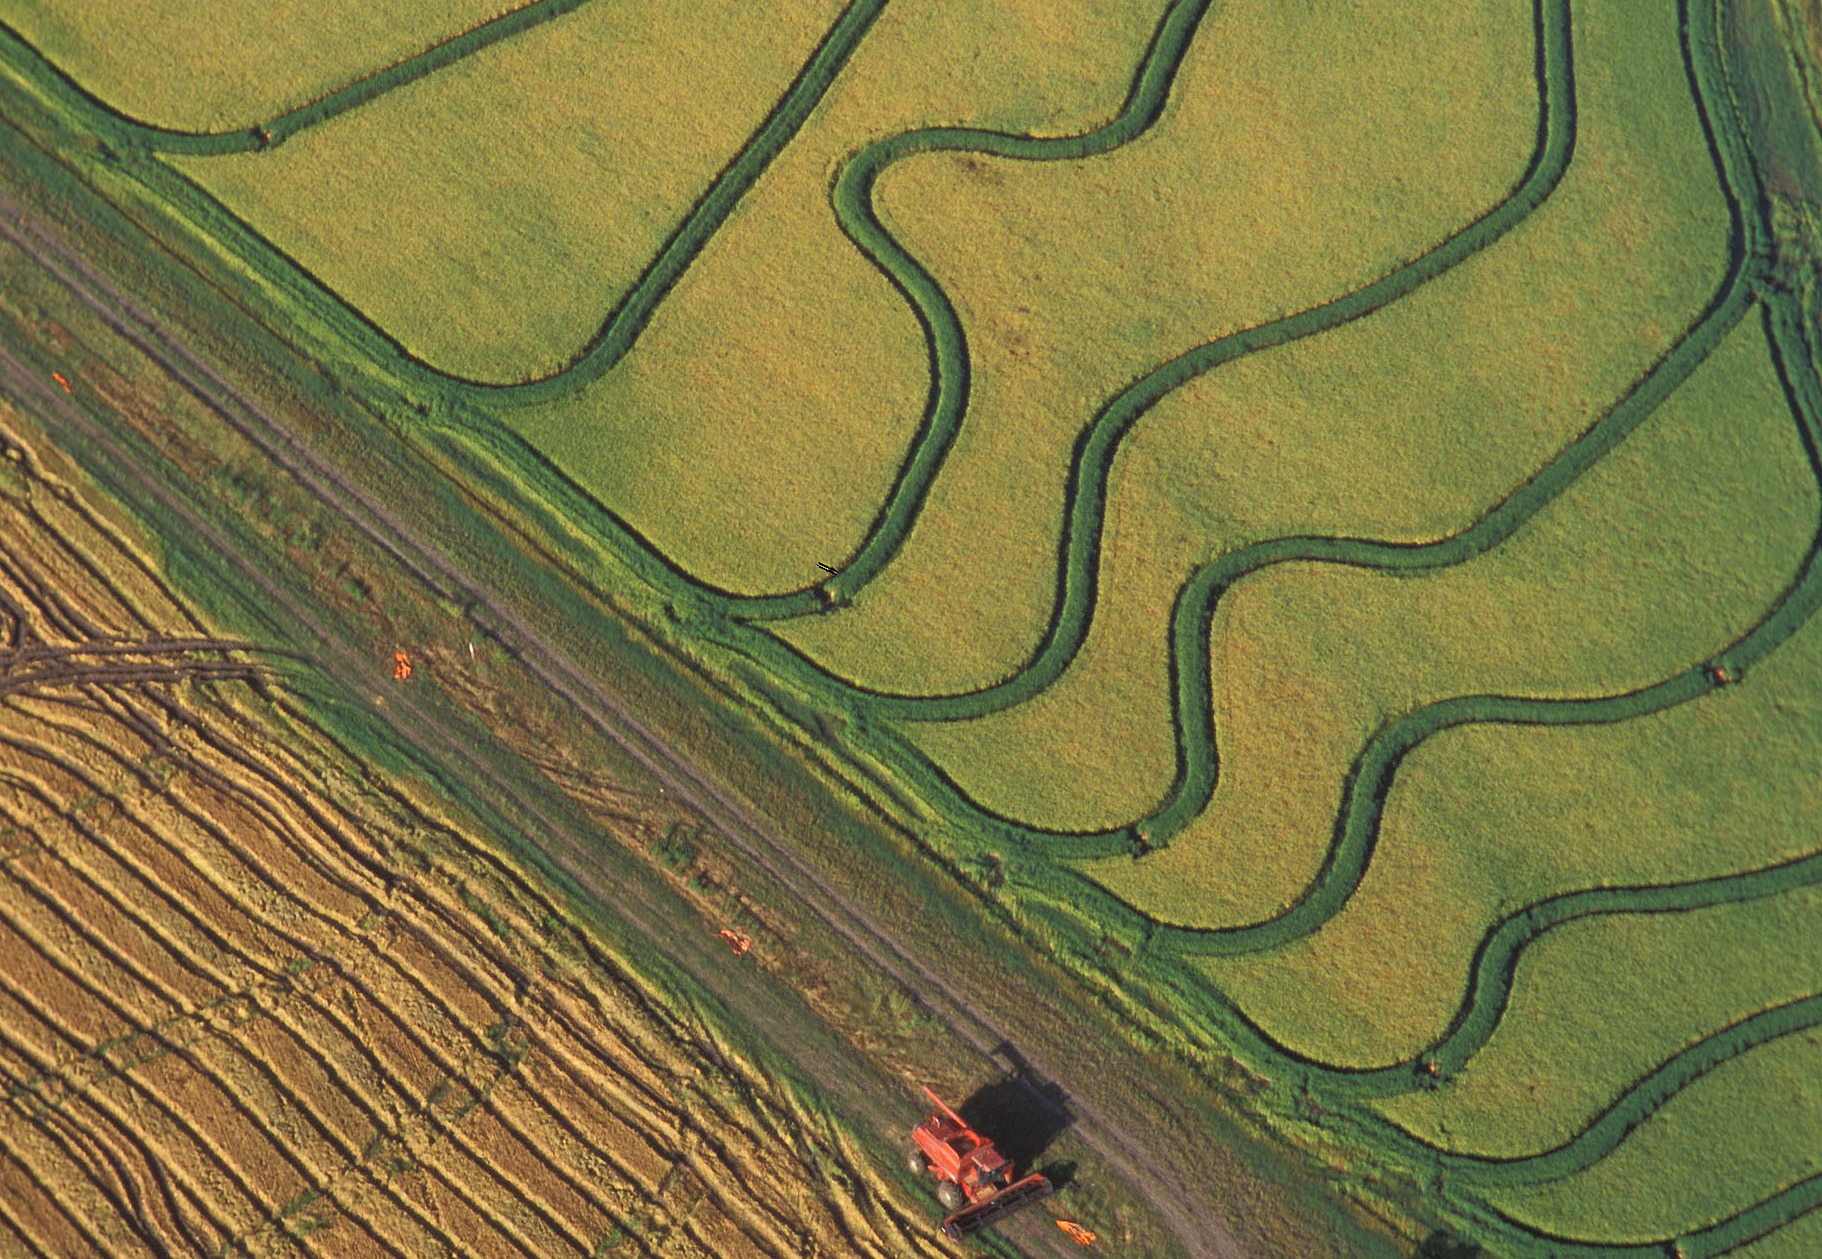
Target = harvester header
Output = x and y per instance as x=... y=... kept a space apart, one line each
x=974 y=1180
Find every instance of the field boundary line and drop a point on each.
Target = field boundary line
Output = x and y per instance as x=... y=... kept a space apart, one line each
x=129 y=133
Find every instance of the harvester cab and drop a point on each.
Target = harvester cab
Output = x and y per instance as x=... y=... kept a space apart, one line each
x=973 y=1180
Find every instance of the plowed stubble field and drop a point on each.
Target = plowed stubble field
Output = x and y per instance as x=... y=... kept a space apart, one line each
x=254 y=1000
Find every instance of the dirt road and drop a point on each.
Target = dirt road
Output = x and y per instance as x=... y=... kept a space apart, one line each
x=1186 y=1206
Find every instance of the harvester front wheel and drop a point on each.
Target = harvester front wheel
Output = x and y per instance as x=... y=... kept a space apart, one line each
x=915 y=1160
x=950 y=1195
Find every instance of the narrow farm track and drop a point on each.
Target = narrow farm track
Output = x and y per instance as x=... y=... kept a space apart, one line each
x=306 y=1032
x=1196 y=1223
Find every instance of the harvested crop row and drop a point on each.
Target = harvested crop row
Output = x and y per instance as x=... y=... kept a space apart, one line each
x=263 y=1016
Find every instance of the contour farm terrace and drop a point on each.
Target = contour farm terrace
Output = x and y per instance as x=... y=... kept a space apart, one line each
x=1229 y=586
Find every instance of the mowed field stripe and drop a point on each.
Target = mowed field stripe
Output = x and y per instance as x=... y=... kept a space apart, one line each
x=509 y=980
x=285 y=1098
x=51 y=1205
x=376 y=1121
x=461 y=921
x=18 y=1202
x=102 y=1114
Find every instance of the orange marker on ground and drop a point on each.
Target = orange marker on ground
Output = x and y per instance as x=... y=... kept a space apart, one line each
x=401 y=666
x=58 y=377
x=736 y=941
x=1077 y=1234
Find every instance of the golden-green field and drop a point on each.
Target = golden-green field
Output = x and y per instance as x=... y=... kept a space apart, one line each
x=1307 y=514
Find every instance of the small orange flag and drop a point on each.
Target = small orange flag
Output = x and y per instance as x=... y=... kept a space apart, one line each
x=1077 y=1234
x=401 y=666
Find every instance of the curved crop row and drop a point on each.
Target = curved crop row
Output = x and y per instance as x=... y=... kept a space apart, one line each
x=1192 y=686
x=236 y=818
x=947 y=401
x=433 y=392
x=1158 y=945
x=1037 y=854
x=1495 y=965
x=1091 y=467
x=1637 y=1103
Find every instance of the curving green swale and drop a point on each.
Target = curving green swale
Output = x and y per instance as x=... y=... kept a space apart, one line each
x=1119 y=481
x=1540 y=339
x=1291 y=164
x=1799 y=1239
x=1746 y=1130
x=543 y=174
x=1486 y=818
x=783 y=347
x=1599 y=1001
x=1310 y=659
x=222 y=65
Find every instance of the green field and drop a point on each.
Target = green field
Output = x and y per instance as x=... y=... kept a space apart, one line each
x=1300 y=412
x=1307 y=515
x=480 y=244
x=821 y=380
x=1076 y=277
x=1599 y=1002
x=217 y=65
x=1695 y=1158
x=1312 y=659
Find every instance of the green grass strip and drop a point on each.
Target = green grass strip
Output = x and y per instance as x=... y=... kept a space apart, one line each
x=1496 y=959
x=1491 y=976
x=622 y=327
x=1763 y=1217
x=947 y=400
x=439 y=396
x=129 y=133
x=1638 y=1103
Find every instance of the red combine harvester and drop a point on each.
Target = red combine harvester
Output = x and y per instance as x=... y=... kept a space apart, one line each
x=974 y=1180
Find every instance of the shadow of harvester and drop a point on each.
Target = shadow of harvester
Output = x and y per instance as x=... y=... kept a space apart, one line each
x=1444 y=1245
x=1022 y=1113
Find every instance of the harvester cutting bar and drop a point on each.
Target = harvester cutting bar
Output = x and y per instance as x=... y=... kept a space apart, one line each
x=1013 y=1197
